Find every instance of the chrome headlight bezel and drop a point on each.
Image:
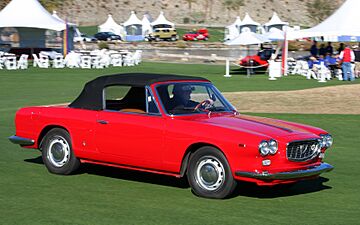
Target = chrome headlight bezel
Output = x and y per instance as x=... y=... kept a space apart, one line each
x=268 y=147
x=264 y=148
x=273 y=145
x=326 y=140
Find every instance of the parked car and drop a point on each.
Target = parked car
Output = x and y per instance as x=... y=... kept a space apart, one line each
x=84 y=38
x=260 y=59
x=107 y=36
x=201 y=34
x=172 y=125
x=160 y=34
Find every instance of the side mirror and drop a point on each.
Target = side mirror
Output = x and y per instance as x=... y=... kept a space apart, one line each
x=213 y=97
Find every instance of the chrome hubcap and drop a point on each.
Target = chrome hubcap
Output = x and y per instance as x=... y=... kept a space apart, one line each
x=210 y=173
x=59 y=151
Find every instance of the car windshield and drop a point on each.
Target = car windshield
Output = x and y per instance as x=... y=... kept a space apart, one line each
x=189 y=98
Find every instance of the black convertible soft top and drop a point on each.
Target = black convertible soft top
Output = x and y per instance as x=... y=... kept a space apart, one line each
x=91 y=96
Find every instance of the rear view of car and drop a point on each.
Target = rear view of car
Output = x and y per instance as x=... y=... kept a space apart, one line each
x=107 y=36
x=163 y=34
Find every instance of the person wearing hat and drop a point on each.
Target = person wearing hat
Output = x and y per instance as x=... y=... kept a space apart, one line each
x=347 y=56
x=182 y=97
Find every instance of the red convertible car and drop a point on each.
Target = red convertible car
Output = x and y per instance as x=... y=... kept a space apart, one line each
x=172 y=125
x=199 y=35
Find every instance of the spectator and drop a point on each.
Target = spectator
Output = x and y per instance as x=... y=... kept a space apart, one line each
x=341 y=48
x=322 y=50
x=329 y=49
x=347 y=56
x=314 y=50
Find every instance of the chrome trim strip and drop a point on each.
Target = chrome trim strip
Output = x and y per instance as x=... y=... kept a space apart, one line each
x=310 y=171
x=21 y=141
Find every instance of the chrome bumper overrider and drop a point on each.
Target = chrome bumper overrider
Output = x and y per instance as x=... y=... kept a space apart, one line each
x=310 y=171
x=21 y=141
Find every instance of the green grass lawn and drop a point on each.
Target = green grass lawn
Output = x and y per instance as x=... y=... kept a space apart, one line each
x=101 y=195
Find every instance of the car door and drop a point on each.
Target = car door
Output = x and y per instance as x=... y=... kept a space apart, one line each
x=130 y=131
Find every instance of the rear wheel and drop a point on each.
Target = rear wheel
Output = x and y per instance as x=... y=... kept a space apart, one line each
x=209 y=174
x=173 y=38
x=57 y=152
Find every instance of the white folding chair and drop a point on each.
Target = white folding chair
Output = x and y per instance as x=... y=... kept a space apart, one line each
x=58 y=61
x=137 y=57
x=23 y=62
x=85 y=62
x=129 y=60
x=36 y=60
x=10 y=63
x=116 y=60
x=72 y=60
x=43 y=61
x=96 y=62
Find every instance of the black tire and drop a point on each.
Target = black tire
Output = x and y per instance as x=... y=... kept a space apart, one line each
x=173 y=38
x=57 y=153
x=209 y=174
x=157 y=38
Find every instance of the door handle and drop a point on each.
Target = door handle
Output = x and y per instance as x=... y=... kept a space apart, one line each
x=102 y=121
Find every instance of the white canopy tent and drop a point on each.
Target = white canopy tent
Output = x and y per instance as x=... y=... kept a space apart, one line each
x=31 y=20
x=146 y=26
x=161 y=21
x=276 y=22
x=248 y=24
x=133 y=26
x=111 y=26
x=232 y=31
x=343 y=22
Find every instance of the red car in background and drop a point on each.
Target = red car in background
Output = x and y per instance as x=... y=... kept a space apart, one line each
x=260 y=59
x=173 y=125
x=201 y=34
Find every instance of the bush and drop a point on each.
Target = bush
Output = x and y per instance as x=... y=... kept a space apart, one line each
x=103 y=44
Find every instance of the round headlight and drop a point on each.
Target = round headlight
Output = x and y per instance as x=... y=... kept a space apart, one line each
x=326 y=140
x=264 y=148
x=273 y=146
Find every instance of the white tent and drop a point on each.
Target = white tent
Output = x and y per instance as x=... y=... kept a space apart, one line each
x=31 y=20
x=146 y=26
x=344 y=22
x=161 y=21
x=248 y=24
x=276 y=22
x=111 y=26
x=57 y=17
x=248 y=38
x=133 y=26
x=232 y=30
x=29 y=13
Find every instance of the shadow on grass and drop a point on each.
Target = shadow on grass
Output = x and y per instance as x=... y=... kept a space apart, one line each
x=299 y=188
x=243 y=188
x=242 y=71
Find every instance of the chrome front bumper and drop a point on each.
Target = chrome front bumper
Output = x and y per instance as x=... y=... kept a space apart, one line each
x=309 y=172
x=21 y=141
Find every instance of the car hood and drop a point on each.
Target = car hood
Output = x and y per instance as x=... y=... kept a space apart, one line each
x=261 y=126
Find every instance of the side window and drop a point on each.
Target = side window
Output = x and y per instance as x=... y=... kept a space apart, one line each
x=151 y=104
x=125 y=99
x=113 y=95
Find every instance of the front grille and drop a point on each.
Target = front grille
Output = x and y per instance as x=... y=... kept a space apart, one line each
x=300 y=151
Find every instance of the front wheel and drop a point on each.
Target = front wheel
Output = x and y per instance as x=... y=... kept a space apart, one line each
x=209 y=174
x=57 y=152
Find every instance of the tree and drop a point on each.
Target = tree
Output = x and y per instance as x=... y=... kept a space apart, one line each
x=319 y=10
x=231 y=5
x=190 y=2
